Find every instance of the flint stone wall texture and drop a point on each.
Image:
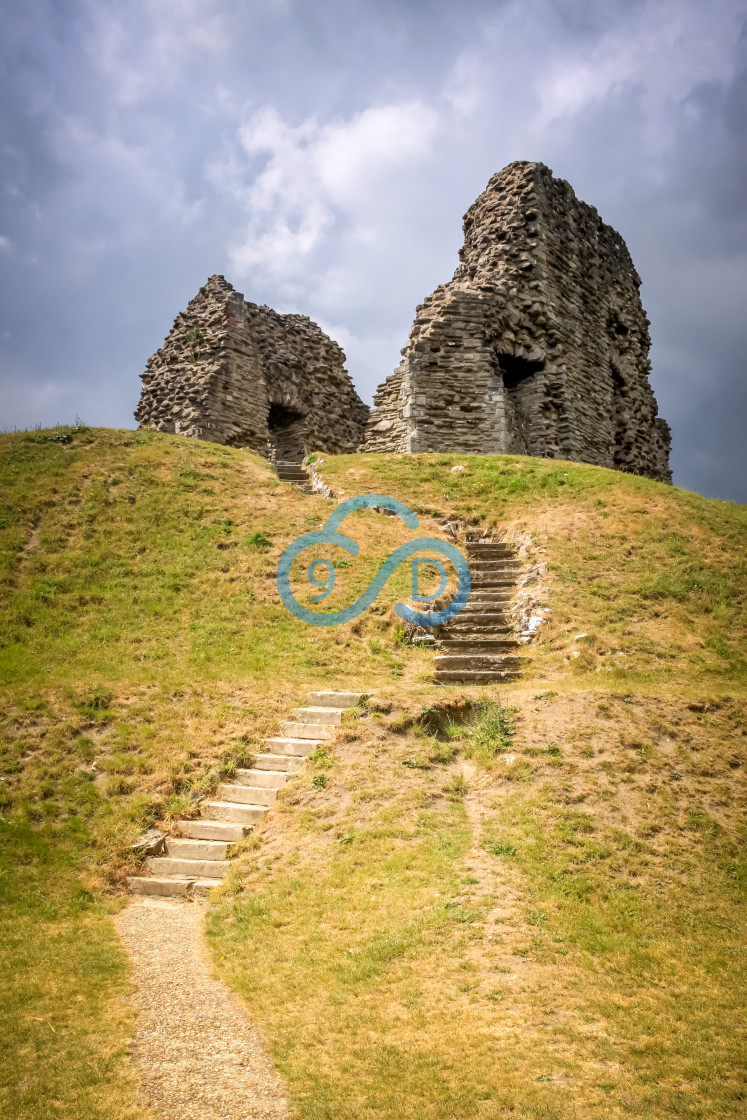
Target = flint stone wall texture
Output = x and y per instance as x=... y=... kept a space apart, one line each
x=245 y=376
x=538 y=345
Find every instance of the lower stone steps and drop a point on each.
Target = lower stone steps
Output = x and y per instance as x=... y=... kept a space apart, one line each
x=293 y=747
x=335 y=699
x=269 y=779
x=234 y=811
x=171 y=888
x=292 y=731
x=248 y=795
x=288 y=763
x=214 y=830
x=194 y=862
x=318 y=715
x=164 y=868
x=203 y=848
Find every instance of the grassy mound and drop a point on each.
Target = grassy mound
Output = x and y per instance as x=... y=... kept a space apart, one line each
x=527 y=936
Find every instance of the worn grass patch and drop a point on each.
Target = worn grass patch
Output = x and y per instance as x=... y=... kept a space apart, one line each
x=558 y=933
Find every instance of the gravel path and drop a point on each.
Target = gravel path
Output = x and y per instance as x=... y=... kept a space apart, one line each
x=197 y=1055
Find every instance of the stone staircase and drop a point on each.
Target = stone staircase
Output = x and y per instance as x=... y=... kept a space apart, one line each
x=292 y=472
x=478 y=646
x=195 y=861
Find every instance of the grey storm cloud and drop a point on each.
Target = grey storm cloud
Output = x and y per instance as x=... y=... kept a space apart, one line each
x=321 y=155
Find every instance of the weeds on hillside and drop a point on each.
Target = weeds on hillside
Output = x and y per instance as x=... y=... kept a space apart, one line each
x=491 y=735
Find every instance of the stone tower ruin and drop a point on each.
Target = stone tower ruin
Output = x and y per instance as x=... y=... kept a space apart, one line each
x=538 y=345
x=242 y=375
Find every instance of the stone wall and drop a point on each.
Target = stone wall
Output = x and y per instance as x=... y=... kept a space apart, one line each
x=538 y=345
x=243 y=375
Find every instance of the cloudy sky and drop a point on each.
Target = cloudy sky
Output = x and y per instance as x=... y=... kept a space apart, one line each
x=320 y=154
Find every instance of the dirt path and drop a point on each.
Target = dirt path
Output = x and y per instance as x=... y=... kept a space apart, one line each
x=197 y=1056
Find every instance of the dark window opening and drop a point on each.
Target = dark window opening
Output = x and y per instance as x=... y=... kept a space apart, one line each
x=287 y=440
x=516 y=370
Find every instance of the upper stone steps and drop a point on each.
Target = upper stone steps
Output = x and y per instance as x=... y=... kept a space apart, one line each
x=291 y=472
x=478 y=644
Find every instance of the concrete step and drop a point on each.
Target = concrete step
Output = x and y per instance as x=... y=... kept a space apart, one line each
x=477 y=634
x=464 y=676
x=497 y=563
x=330 y=716
x=270 y=779
x=247 y=795
x=201 y=888
x=482 y=581
x=486 y=646
x=164 y=888
x=296 y=748
x=291 y=731
x=479 y=618
x=494 y=619
x=196 y=849
x=164 y=868
x=291 y=472
x=476 y=661
x=498 y=596
x=288 y=763
x=214 y=830
x=233 y=811
x=335 y=699
x=481 y=610
x=500 y=563
x=479 y=550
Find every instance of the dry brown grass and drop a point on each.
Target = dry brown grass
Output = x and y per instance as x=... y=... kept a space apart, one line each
x=528 y=949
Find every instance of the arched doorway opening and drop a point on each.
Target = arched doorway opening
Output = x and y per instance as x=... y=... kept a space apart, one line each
x=287 y=434
x=525 y=389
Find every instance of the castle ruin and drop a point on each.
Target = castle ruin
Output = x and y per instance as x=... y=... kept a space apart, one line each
x=537 y=346
x=245 y=376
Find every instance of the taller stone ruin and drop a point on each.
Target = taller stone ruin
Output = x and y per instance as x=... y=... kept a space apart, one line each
x=538 y=345
x=245 y=376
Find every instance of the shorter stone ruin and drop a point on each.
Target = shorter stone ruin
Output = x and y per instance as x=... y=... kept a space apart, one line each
x=245 y=376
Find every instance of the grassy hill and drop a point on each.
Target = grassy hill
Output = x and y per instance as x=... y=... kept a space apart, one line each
x=557 y=935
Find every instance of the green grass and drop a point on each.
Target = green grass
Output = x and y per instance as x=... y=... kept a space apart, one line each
x=63 y=1017
x=144 y=654
x=643 y=568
